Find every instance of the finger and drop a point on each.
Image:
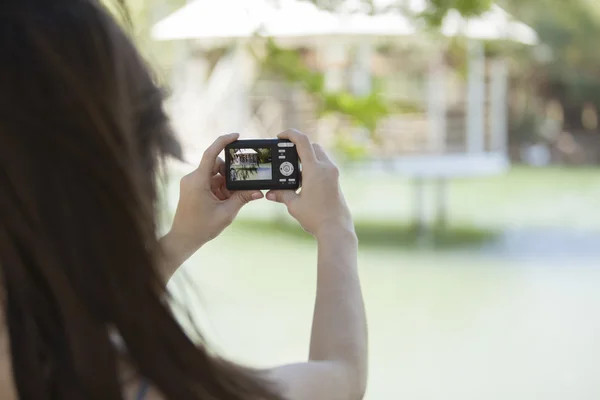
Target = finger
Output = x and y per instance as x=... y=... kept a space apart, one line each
x=220 y=195
x=216 y=182
x=225 y=191
x=282 y=196
x=216 y=186
x=220 y=182
x=320 y=153
x=209 y=159
x=241 y=198
x=305 y=150
x=222 y=169
x=219 y=166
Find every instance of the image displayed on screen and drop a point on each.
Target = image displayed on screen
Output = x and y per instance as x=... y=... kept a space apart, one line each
x=250 y=164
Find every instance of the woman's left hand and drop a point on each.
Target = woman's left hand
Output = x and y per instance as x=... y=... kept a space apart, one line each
x=205 y=205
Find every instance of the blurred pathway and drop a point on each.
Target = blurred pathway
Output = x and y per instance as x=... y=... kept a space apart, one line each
x=553 y=245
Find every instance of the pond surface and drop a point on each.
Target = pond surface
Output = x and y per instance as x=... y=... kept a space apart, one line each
x=517 y=318
x=441 y=326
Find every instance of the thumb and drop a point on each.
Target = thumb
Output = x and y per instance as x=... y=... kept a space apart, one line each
x=282 y=196
x=241 y=198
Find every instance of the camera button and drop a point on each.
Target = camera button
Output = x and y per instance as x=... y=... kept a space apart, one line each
x=286 y=169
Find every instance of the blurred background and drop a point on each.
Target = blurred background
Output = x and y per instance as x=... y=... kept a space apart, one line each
x=467 y=134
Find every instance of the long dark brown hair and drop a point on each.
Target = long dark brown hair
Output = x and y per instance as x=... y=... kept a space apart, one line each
x=82 y=133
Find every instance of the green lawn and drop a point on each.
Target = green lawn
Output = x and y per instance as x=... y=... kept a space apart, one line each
x=443 y=324
x=525 y=197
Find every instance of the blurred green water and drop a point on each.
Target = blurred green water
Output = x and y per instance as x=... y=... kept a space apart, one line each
x=444 y=324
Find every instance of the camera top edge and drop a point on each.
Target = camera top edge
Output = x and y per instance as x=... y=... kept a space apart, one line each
x=256 y=142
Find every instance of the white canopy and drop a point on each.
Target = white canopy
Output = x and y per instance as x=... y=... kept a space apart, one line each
x=242 y=19
x=209 y=19
x=495 y=24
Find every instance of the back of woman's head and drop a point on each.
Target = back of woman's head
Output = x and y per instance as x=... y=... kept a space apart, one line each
x=82 y=129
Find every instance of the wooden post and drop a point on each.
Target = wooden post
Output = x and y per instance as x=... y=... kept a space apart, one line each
x=335 y=59
x=476 y=98
x=442 y=204
x=333 y=55
x=239 y=107
x=499 y=106
x=436 y=104
x=189 y=96
x=362 y=84
x=419 y=207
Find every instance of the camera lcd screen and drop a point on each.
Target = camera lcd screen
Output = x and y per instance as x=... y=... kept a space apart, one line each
x=250 y=164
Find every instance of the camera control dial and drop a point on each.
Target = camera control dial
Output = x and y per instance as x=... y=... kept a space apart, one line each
x=286 y=169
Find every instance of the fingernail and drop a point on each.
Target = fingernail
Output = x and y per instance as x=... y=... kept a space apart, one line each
x=257 y=195
x=270 y=196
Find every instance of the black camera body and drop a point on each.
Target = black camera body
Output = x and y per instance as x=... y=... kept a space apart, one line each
x=262 y=164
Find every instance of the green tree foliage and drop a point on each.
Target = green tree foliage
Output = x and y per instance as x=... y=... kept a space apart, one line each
x=565 y=67
x=363 y=111
x=438 y=9
x=434 y=13
x=263 y=156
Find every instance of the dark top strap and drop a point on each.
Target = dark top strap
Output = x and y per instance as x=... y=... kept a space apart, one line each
x=144 y=387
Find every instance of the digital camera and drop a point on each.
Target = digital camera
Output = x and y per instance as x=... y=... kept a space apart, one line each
x=262 y=164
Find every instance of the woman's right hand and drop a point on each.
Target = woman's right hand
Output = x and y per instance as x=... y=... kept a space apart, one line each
x=320 y=206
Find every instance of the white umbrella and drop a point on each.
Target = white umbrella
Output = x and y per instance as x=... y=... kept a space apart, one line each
x=212 y=19
x=223 y=19
x=208 y=19
x=495 y=24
